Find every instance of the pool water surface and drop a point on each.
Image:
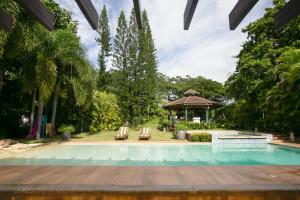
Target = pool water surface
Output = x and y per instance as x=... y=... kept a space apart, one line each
x=157 y=155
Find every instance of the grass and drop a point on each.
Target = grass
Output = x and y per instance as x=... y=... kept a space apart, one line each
x=133 y=135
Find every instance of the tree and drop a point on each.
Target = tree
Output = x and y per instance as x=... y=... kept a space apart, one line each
x=120 y=72
x=105 y=48
x=135 y=70
x=105 y=112
x=283 y=99
x=72 y=68
x=253 y=78
x=148 y=63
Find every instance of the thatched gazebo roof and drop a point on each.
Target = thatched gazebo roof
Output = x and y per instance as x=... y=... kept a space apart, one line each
x=191 y=99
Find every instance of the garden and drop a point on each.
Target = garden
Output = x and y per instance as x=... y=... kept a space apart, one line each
x=48 y=84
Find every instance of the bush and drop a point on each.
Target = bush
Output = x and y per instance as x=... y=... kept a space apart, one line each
x=197 y=126
x=181 y=127
x=201 y=137
x=105 y=112
x=163 y=117
x=66 y=128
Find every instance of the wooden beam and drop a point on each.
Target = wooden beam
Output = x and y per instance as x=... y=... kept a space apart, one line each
x=137 y=10
x=189 y=13
x=240 y=11
x=39 y=12
x=89 y=12
x=287 y=13
x=6 y=21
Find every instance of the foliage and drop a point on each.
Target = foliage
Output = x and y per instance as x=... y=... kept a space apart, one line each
x=201 y=137
x=69 y=128
x=253 y=82
x=173 y=88
x=63 y=18
x=283 y=99
x=135 y=70
x=198 y=126
x=163 y=117
x=182 y=127
x=39 y=60
x=105 y=48
x=105 y=112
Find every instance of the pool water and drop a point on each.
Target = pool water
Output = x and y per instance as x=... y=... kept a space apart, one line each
x=158 y=155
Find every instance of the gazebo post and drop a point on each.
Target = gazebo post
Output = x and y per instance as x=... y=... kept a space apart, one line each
x=206 y=114
x=186 y=114
x=170 y=116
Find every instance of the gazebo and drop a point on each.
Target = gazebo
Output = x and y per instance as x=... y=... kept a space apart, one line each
x=191 y=100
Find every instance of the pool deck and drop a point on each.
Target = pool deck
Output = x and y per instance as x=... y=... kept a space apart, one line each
x=205 y=182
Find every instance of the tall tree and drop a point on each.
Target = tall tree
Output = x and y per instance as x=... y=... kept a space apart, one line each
x=120 y=72
x=253 y=77
x=105 y=48
x=150 y=67
x=72 y=68
x=136 y=95
x=135 y=66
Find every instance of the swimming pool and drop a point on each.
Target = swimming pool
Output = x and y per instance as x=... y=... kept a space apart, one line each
x=157 y=155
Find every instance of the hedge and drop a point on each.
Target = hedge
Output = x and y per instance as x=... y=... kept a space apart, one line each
x=201 y=137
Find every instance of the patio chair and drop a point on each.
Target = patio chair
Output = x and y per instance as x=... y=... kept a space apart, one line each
x=145 y=134
x=122 y=134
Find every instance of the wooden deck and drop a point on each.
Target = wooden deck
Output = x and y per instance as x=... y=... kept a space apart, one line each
x=202 y=183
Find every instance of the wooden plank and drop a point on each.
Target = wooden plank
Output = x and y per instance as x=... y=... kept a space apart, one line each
x=139 y=179
x=39 y=12
x=189 y=13
x=89 y=12
x=290 y=11
x=239 y=12
x=6 y=21
x=137 y=9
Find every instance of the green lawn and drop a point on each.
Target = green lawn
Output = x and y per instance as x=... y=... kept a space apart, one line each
x=133 y=135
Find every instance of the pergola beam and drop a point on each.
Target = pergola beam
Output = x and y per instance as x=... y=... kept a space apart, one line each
x=137 y=9
x=89 y=12
x=189 y=13
x=39 y=12
x=6 y=21
x=287 y=13
x=239 y=12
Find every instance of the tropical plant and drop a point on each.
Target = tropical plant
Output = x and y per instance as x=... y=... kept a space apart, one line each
x=105 y=113
x=253 y=82
x=283 y=99
x=69 y=128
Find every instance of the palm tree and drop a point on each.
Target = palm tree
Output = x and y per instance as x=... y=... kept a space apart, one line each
x=73 y=69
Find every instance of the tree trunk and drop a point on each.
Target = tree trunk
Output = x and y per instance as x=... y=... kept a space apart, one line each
x=39 y=118
x=31 y=120
x=54 y=106
x=2 y=70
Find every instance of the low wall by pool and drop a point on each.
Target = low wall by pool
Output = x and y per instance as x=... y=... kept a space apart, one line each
x=238 y=137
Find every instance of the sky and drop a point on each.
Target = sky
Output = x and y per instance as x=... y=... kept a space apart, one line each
x=207 y=49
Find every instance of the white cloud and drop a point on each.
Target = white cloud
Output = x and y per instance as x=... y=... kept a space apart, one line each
x=207 y=49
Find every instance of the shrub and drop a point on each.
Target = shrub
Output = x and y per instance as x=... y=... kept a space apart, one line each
x=66 y=128
x=181 y=127
x=163 y=117
x=201 y=137
x=197 y=126
x=105 y=112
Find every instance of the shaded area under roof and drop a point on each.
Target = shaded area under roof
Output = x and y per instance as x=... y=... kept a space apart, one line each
x=192 y=99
